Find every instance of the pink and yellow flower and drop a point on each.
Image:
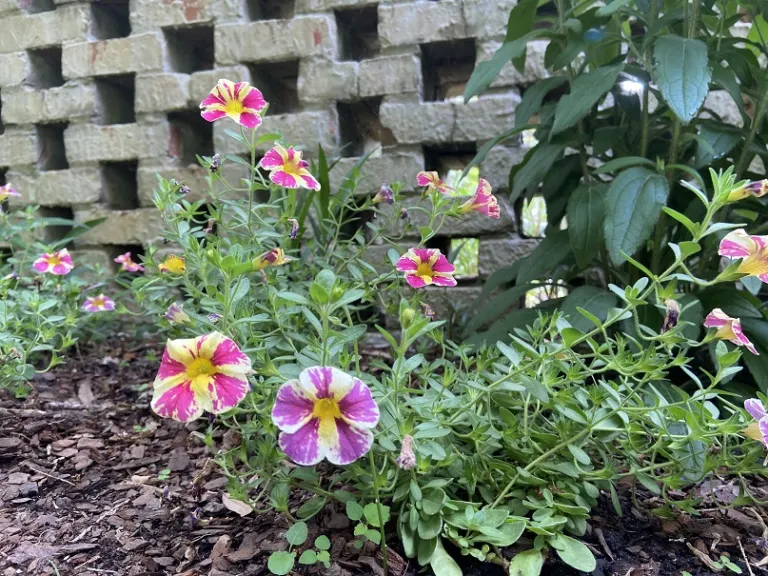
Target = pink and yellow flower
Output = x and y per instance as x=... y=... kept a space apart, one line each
x=207 y=373
x=176 y=315
x=757 y=430
x=385 y=195
x=287 y=169
x=173 y=264
x=128 y=264
x=728 y=329
x=426 y=266
x=432 y=182
x=6 y=192
x=757 y=189
x=240 y=101
x=752 y=250
x=275 y=257
x=483 y=201
x=326 y=413
x=100 y=303
x=58 y=263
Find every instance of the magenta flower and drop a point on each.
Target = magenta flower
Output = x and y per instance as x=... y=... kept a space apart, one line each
x=99 y=303
x=326 y=413
x=426 y=266
x=728 y=329
x=753 y=251
x=287 y=169
x=483 y=201
x=758 y=430
x=58 y=263
x=240 y=101
x=128 y=264
x=385 y=195
x=432 y=182
x=205 y=373
x=6 y=192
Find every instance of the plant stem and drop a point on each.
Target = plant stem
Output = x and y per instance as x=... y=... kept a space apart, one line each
x=375 y=475
x=745 y=155
x=658 y=237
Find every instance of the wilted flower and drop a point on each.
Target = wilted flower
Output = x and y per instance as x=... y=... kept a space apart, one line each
x=240 y=101
x=213 y=317
x=428 y=312
x=176 y=315
x=215 y=163
x=99 y=303
x=173 y=264
x=210 y=226
x=12 y=276
x=287 y=169
x=426 y=266
x=385 y=194
x=184 y=189
x=275 y=257
x=128 y=264
x=326 y=413
x=207 y=373
x=403 y=213
x=483 y=201
x=58 y=263
x=728 y=329
x=431 y=180
x=758 y=189
x=757 y=430
x=6 y=192
x=407 y=459
x=753 y=251
x=673 y=314
x=294 y=228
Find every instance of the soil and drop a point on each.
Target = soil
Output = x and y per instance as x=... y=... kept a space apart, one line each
x=91 y=482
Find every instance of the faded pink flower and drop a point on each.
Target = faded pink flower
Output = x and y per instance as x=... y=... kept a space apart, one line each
x=728 y=329
x=426 y=266
x=128 y=264
x=100 y=303
x=6 y=192
x=753 y=251
x=757 y=189
x=240 y=101
x=758 y=430
x=57 y=263
x=287 y=169
x=432 y=182
x=483 y=201
x=407 y=458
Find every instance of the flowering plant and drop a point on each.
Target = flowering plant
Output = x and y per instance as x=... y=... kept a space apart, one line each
x=267 y=293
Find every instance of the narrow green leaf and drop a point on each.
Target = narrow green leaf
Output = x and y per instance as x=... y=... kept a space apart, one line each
x=594 y=300
x=586 y=214
x=624 y=162
x=609 y=9
x=682 y=218
x=587 y=90
x=537 y=167
x=324 y=178
x=550 y=252
x=682 y=74
x=483 y=152
x=534 y=96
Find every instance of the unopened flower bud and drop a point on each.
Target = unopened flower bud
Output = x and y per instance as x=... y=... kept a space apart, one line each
x=385 y=194
x=176 y=315
x=294 y=228
x=673 y=315
x=403 y=214
x=428 y=312
x=407 y=459
x=407 y=317
x=184 y=189
x=213 y=317
x=215 y=163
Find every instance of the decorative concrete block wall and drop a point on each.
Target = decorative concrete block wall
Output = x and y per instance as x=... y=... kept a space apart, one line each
x=97 y=97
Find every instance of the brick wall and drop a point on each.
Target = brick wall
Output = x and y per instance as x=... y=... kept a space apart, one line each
x=97 y=97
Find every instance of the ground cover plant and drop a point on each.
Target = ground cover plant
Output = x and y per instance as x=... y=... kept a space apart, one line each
x=266 y=295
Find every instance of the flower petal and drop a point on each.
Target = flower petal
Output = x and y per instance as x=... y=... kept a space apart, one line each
x=283 y=179
x=405 y=264
x=227 y=391
x=351 y=443
x=177 y=401
x=444 y=280
x=254 y=100
x=250 y=120
x=755 y=408
x=357 y=407
x=182 y=350
x=415 y=281
x=303 y=446
x=211 y=115
x=272 y=159
x=316 y=382
x=225 y=354
x=737 y=244
x=763 y=426
x=716 y=319
x=292 y=408
x=443 y=266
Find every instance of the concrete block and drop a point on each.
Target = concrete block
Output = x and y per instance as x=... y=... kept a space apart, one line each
x=13 y=68
x=722 y=104
x=201 y=83
x=139 y=226
x=533 y=71
x=195 y=177
x=56 y=187
x=487 y=116
x=450 y=302
x=95 y=261
x=378 y=170
x=18 y=146
x=275 y=40
x=411 y=23
x=303 y=6
x=321 y=80
x=142 y=53
x=497 y=164
x=161 y=92
x=27 y=106
x=487 y=18
x=497 y=253
x=87 y=142
x=413 y=123
x=390 y=75
x=149 y=15
x=24 y=31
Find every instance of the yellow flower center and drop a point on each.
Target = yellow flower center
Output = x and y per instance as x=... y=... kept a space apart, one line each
x=234 y=108
x=726 y=332
x=424 y=269
x=292 y=166
x=755 y=264
x=326 y=408
x=54 y=261
x=200 y=367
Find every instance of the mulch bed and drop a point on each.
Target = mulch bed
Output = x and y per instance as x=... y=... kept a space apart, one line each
x=81 y=493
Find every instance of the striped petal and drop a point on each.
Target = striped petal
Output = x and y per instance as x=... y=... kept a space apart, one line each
x=351 y=443
x=357 y=406
x=737 y=244
x=755 y=408
x=176 y=401
x=292 y=408
x=303 y=446
x=227 y=391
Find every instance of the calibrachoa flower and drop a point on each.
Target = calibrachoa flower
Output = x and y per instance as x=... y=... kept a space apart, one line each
x=758 y=189
x=757 y=430
x=728 y=329
x=176 y=315
x=407 y=458
x=128 y=264
x=483 y=201
x=326 y=413
x=426 y=266
x=753 y=251
x=287 y=169
x=385 y=194
x=275 y=257
x=294 y=228
x=6 y=192
x=431 y=180
x=240 y=101
x=58 y=263
x=98 y=303
x=213 y=317
x=672 y=316
x=173 y=264
x=205 y=373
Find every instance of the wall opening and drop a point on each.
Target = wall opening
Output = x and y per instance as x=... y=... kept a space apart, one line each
x=119 y=185
x=190 y=135
x=270 y=9
x=45 y=68
x=37 y=6
x=116 y=99
x=465 y=255
x=278 y=81
x=136 y=251
x=448 y=159
x=190 y=49
x=446 y=68
x=358 y=30
x=110 y=19
x=3 y=182
x=51 y=152
x=57 y=230
x=442 y=243
x=2 y=126
x=360 y=128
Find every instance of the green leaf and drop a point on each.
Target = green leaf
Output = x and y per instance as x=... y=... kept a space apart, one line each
x=308 y=557
x=735 y=303
x=623 y=162
x=587 y=90
x=634 y=203
x=574 y=553
x=441 y=562
x=682 y=74
x=426 y=550
x=487 y=70
x=682 y=218
x=323 y=177
x=430 y=527
x=550 y=252
x=297 y=534
x=528 y=563
x=586 y=214
x=594 y=300
x=609 y=9
x=533 y=97
x=322 y=542
x=433 y=501
x=310 y=507
x=354 y=511
x=715 y=141
x=483 y=152
x=281 y=563
x=371 y=512
x=537 y=167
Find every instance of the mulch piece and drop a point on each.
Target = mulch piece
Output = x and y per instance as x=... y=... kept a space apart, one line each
x=92 y=482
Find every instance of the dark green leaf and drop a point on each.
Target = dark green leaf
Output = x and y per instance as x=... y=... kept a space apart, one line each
x=483 y=152
x=715 y=142
x=537 y=167
x=550 y=252
x=594 y=300
x=441 y=562
x=520 y=22
x=354 y=511
x=586 y=91
x=625 y=162
x=533 y=97
x=682 y=74
x=735 y=303
x=586 y=213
